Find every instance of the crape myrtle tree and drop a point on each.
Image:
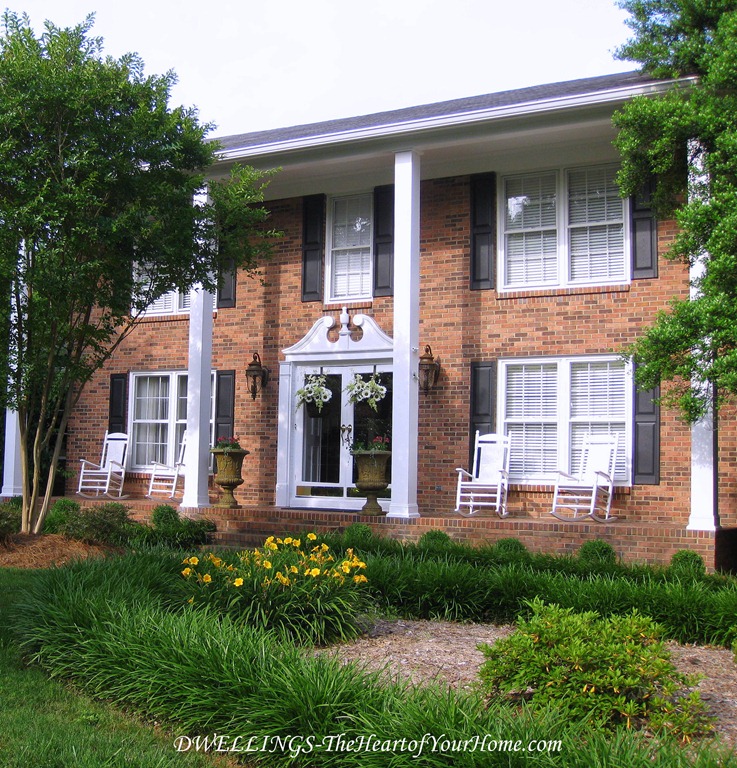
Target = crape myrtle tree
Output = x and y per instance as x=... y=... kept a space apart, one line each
x=103 y=209
x=686 y=142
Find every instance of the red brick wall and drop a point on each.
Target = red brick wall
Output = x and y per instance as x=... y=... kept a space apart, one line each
x=461 y=326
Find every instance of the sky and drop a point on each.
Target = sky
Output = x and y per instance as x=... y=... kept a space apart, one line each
x=250 y=65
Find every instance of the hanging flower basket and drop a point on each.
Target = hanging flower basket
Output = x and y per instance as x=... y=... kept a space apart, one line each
x=314 y=393
x=371 y=390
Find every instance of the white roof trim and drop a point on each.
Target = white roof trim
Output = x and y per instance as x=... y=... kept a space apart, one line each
x=453 y=120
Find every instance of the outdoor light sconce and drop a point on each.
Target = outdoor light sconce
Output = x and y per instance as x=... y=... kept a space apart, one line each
x=257 y=375
x=429 y=370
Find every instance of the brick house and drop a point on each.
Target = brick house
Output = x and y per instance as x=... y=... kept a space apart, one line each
x=487 y=229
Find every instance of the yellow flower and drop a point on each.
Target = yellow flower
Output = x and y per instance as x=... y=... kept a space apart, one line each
x=288 y=540
x=360 y=579
x=216 y=561
x=266 y=563
x=194 y=560
x=293 y=569
x=238 y=582
x=315 y=572
x=297 y=543
x=207 y=578
x=324 y=547
x=345 y=567
x=311 y=537
x=186 y=571
x=230 y=568
x=269 y=540
x=272 y=546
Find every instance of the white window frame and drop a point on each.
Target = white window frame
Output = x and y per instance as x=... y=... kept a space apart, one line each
x=170 y=303
x=331 y=297
x=175 y=425
x=563 y=229
x=563 y=420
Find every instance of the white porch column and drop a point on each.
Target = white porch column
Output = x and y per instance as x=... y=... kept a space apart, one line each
x=12 y=478
x=704 y=509
x=199 y=375
x=406 y=334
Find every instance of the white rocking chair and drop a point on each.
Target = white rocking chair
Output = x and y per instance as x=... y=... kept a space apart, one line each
x=487 y=484
x=164 y=478
x=589 y=494
x=108 y=476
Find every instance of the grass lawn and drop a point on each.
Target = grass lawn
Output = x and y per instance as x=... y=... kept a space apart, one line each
x=47 y=724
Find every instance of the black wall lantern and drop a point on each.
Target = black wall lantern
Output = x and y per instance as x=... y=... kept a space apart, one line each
x=429 y=370
x=257 y=375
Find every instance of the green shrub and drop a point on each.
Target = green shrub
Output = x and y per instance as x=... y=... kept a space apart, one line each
x=10 y=520
x=59 y=515
x=511 y=548
x=605 y=671
x=597 y=551
x=104 y=524
x=303 y=592
x=168 y=529
x=687 y=564
x=436 y=542
x=164 y=516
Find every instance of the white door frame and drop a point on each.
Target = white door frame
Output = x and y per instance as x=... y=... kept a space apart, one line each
x=368 y=345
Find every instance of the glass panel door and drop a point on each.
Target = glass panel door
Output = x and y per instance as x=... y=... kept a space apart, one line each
x=323 y=467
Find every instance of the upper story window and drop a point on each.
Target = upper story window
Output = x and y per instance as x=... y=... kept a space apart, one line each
x=350 y=258
x=171 y=303
x=563 y=228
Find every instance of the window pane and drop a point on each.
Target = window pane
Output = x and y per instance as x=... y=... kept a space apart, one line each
x=533 y=449
x=531 y=237
x=532 y=391
x=596 y=228
x=351 y=247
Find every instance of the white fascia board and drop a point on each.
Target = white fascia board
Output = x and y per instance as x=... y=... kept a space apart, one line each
x=454 y=120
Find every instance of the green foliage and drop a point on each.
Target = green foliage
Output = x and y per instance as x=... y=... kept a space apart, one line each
x=99 y=223
x=10 y=515
x=168 y=529
x=687 y=564
x=104 y=524
x=106 y=626
x=512 y=548
x=604 y=672
x=597 y=551
x=60 y=514
x=300 y=591
x=691 y=348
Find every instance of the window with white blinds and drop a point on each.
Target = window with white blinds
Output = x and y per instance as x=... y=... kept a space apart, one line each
x=158 y=417
x=350 y=261
x=550 y=405
x=563 y=228
x=171 y=303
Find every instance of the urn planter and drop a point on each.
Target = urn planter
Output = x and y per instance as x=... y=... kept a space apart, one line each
x=371 y=478
x=229 y=463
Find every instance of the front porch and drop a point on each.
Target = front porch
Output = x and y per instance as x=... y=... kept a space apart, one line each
x=633 y=541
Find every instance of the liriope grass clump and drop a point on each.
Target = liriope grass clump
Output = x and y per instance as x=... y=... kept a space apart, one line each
x=294 y=586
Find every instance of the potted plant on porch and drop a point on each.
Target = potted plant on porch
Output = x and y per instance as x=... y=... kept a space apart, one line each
x=228 y=465
x=371 y=459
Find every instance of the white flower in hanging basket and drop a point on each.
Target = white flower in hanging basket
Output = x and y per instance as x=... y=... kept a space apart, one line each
x=371 y=390
x=314 y=391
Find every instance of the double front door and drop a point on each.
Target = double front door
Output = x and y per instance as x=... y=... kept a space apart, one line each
x=323 y=469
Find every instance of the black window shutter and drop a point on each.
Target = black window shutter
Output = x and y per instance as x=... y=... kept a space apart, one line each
x=644 y=234
x=118 y=406
x=483 y=399
x=384 y=240
x=313 y=246
x=226 y=285
x=646 y=449
x=224 y=404
x=483 y=230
